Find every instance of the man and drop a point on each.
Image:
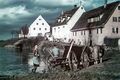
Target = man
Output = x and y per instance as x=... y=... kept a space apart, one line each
x=35 y=49
x=95 y=54
x=55 y=51
x=101 y=52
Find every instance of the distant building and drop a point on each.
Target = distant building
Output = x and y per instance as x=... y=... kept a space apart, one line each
x=39 y=27
x=61 y=28
x=96 y=25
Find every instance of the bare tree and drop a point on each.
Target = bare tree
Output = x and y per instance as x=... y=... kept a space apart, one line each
x=14 y=33
x=25 y=30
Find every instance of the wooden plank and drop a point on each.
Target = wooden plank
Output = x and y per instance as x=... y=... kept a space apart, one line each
x=50 y=53
x=68 y=55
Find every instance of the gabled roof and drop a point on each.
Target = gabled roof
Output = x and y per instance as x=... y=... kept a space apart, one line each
x=82 y=23
x=65 y=14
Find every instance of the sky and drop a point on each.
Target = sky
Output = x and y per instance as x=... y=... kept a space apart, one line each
x=16 y=13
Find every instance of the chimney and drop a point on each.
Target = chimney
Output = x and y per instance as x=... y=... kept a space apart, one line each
x=105 y=4
x=80 y=3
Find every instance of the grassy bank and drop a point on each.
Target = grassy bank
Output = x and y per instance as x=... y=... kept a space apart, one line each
x=3 y=43
x=108 y=70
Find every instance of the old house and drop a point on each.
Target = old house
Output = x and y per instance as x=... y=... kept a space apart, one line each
x=96 y=25
x=39 y=27
x=61 y=28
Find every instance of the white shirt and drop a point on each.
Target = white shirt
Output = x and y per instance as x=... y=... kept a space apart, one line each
x=35 y=47
x=55 y=51
x=35 y=60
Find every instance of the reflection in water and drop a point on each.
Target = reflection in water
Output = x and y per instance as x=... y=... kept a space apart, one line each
x=13 y=62
x=40 y=69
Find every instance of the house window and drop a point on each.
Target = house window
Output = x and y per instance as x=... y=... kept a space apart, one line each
x=113 y=30
x=39 y=19
x=79 y=42
x=96 y=19
x=114 y=19
x=81 y=33
x=65 y=38
x=81 y=7
x=36 y=23
x=33 y=28
x=97 y=31
x=90 y=32
x=92 y=19
x=45 y=28
x=84 y=32
x=75 y=33
x=39 y=28
x=58 y=20
x=68 y=18
x=42 y=23
x=101 y=16
x=89 y=20
x=69 y=40
x=118 y=19
x=54 y=29
x=58 y=27
x=118 y=7
x=101 y=30
x=39 y=34
x=63 y=26
x=117 y=30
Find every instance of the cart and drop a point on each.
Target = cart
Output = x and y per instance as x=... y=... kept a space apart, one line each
x=73 y=58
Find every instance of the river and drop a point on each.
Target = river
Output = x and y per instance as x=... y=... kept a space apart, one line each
x=13 y=62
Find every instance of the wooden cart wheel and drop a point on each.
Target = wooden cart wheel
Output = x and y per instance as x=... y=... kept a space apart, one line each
x=85 y=60
x=73 y=61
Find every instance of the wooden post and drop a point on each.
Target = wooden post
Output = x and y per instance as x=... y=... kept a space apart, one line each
x=68 y=54
x=84 y=49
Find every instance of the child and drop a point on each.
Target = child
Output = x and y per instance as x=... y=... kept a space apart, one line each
x=35 y=63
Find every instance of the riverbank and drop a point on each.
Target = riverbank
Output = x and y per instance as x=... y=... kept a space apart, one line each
x=108 y=70
x=8 y=43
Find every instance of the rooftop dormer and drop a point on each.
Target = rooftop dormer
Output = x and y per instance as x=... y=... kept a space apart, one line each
x=95 y=19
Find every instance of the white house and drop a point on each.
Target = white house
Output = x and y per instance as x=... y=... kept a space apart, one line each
x=96 y=25
x=61 y=28
x=39 y=27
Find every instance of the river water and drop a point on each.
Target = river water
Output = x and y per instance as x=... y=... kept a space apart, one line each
x=13 y=62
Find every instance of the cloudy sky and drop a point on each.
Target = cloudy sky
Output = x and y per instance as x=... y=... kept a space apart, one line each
x=16 y=13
